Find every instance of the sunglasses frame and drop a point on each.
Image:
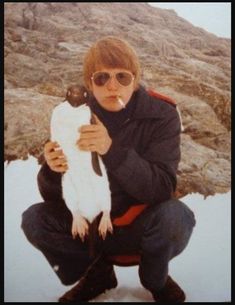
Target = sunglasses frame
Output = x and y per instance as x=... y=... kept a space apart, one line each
x=111 y=75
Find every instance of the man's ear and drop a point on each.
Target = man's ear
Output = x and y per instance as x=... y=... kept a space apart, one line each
x=89 y=94
x=90 y=86
x=136 y=87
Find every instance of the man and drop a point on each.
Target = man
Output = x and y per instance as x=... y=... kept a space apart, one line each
x=138 y=138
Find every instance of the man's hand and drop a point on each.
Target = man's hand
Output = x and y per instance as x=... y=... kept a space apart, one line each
x=54 y=157
x=94 y=138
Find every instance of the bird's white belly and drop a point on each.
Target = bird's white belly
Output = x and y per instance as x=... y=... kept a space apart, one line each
x=82 y=188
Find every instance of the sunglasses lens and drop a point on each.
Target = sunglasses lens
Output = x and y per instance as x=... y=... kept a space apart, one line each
x=124 y=78
x=101 y=78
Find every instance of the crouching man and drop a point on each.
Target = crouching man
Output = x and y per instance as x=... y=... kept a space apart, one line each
x=137 y=136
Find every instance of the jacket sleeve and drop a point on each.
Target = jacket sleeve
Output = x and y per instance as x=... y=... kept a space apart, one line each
x=151 y=177
x=49 y=184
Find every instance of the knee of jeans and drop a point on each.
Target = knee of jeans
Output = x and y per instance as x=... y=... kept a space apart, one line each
x=172 y=220
x=30 y=222
x=178 y=217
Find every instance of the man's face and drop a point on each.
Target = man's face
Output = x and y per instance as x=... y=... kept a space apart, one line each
x=107 y=90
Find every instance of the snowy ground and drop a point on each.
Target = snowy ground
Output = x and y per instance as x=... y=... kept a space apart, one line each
x=203 y=269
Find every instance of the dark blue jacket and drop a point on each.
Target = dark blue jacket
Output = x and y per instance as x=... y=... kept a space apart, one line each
x=142 y=160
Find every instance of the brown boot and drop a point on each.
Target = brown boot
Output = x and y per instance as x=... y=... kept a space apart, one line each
x=99 y=277
x=170 y=293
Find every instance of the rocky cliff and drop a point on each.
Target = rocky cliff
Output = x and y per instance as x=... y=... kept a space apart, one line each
x=44 y=48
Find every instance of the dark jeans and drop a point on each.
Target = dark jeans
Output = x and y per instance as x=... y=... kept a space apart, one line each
x=160 y=233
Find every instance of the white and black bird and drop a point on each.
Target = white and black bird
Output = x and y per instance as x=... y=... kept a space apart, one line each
x=85 y=186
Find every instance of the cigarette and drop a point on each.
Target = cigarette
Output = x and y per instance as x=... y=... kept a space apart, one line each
x=120 y=101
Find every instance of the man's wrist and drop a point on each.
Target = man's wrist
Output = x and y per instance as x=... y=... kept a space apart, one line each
x=107 y=148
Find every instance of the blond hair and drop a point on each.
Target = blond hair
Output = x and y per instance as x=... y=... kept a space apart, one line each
x=110 y=52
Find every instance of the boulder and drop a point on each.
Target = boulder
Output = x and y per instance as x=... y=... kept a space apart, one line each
x=43 y=53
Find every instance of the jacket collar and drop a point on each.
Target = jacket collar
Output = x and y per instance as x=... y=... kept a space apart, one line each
x=146 y=106
x=141 y=106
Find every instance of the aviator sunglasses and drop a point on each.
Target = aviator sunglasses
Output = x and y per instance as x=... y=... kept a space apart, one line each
x=101 y=78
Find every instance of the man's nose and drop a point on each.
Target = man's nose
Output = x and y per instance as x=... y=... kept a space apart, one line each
x=112 y=83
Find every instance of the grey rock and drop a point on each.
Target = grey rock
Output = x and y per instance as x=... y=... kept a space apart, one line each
x=43 y=53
